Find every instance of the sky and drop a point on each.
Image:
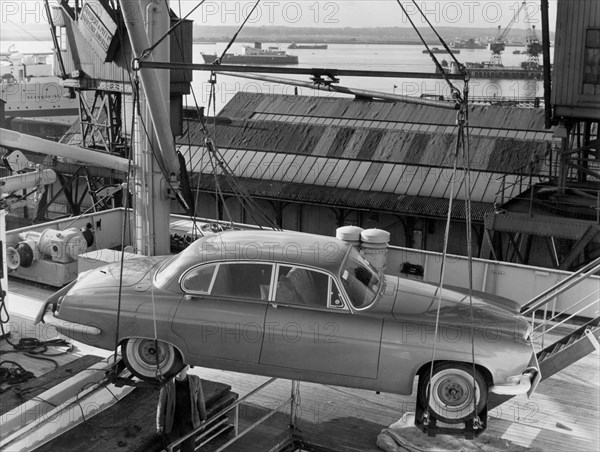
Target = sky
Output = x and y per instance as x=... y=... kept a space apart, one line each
x=367 y=13
x=326 y=13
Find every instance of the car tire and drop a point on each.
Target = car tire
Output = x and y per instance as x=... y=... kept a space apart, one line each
x=150 y=360
x=452 y=392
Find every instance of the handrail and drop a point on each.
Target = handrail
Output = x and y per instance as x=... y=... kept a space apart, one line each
x=572 y=306
x=207 y=428
x=566 y=319
x=560 y=287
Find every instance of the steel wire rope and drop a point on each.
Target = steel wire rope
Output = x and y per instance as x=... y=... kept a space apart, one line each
x=158 y=373
x=218 y=191
x=462 y=122
x=239 y=191
x=234 y=37
x=212 y=101
x=440 y=289
x=134 y=101
x=441 y=39
x=454 y=90
x=237 y=188
x=192 y=209
x=464 y=131
x=150 y=49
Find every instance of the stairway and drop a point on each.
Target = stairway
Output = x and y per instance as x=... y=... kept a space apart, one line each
x=569 y=349
x=561 y=354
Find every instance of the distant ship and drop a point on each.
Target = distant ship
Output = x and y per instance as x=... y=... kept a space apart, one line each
x=293 y=45
x=468 y=44
x=254 y=55
x=29 y=87
x=488 y=71
x=438 y=50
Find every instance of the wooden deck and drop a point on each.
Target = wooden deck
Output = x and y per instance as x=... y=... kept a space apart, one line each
x=562 y=415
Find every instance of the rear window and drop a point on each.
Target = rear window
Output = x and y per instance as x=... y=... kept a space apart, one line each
x=236 y=279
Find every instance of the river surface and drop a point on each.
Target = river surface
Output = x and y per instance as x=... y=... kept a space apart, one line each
x=402 y=58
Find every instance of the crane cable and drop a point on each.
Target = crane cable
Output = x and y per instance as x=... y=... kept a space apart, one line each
x=462 y=142
x=464 y=131
x=232 y=40
x=454 y=90
x=134 y=103
x=150 y=49
x=239 y=190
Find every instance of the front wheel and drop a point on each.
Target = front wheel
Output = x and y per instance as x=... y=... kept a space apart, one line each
x=148 y=359
x=453 y=392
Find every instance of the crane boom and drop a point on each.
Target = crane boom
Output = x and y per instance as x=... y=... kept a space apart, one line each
x=498 y=45
x=16 y=140
x=512 y=21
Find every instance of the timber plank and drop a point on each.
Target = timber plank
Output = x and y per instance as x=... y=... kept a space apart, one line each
x=129 y=425
x=18 y=394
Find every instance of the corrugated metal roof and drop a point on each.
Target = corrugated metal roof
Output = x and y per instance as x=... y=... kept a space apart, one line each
x=383 y=132
x=243 y=105
x=365 y=200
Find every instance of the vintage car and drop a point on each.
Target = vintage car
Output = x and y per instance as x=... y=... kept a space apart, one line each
x=304 y=307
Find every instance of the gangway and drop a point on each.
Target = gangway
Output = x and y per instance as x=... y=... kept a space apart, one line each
x=571 y=347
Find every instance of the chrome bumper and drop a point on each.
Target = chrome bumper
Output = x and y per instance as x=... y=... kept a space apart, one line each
x=522 y=383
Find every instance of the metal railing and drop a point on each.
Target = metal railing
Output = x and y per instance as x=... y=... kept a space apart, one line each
x=213 y=427
x=557 y=319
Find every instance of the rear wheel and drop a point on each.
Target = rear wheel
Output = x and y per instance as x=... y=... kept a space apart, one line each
x=148 y=359
x=453 y=392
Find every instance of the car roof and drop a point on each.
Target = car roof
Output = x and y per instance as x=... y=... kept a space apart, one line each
x=296 y=248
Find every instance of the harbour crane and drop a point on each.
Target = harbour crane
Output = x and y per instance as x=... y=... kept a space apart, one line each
x=533 y=46
x=498 y=45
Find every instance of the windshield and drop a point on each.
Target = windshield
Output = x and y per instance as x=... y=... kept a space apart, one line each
x=360 y=280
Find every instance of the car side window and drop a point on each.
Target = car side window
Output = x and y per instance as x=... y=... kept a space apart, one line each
x=298 y=285
x=335 y=299
x=199 y=279
x=243 y=279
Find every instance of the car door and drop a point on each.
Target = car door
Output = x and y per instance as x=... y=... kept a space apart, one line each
x=309 y=327
x=223 y=311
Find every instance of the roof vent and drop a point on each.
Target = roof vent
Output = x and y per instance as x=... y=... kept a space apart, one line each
x=374 y=243
x=349 y=234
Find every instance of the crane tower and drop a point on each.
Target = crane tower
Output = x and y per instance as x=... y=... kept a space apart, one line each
x=498 y=45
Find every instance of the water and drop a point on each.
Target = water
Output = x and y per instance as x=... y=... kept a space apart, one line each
x=402 y=58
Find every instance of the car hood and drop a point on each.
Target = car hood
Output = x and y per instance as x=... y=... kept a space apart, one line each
x=416 y=298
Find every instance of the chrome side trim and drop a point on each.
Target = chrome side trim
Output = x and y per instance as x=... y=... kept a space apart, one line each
x=49 y=319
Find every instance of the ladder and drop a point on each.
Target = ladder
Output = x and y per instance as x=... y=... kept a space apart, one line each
x=574 y=345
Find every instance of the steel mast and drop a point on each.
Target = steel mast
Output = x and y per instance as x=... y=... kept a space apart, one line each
x=155 y=159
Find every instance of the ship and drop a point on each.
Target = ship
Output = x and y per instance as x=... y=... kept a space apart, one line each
x=29 y=87
x=293 y=45
x=438 y=50
x=468 y=44
x=488 y=71
x=254 y=55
